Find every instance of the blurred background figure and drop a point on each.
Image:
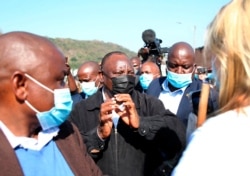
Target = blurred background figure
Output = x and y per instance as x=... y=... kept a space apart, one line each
x=149 y=71
x=70 y=80
x=221 y=145
x=204 y=74
x=136 y=62
x=89 y=79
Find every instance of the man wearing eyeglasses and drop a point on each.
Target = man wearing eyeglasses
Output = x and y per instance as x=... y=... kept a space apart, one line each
x=175 y=89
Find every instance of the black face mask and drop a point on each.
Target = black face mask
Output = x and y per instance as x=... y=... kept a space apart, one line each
x=123 y=84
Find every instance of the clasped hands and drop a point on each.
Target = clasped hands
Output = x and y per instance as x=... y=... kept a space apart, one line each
x=124 y=106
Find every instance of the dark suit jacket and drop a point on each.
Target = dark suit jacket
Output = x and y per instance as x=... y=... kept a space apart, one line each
x=76 y=97
x=186 y=104
x=138 y=151
x=69 y=142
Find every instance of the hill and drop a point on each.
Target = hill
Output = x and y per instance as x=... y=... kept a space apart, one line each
x=79 y=51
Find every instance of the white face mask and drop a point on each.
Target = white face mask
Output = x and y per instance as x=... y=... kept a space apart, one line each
x=57 y=114
x=89 y=88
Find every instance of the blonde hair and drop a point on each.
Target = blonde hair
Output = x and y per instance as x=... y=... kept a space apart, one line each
x=228 y=38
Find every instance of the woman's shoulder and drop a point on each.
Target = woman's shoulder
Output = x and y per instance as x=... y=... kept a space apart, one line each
x=224 y=124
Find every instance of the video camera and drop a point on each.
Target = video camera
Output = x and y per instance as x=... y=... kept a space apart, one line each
x=209 y=77
x=203 y=70
x=153 y=44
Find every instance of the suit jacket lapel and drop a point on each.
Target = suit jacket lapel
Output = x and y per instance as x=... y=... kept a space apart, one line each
x=9 y=164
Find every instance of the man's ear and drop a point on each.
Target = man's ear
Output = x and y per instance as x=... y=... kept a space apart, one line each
x=19 y=85
x=100 y=76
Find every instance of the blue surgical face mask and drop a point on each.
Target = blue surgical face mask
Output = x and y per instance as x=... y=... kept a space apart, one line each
x=57 y=114
x=210 y=76
x=89 y=88
x=145 y=80
x=179 y=80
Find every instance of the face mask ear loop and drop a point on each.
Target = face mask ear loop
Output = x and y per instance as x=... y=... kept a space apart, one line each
x=96 y=80
x=37 y=82
x=30 y=106
x=98 y=84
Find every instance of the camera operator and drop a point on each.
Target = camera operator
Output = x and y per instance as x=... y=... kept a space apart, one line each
x=204 y=74
x=152 y=50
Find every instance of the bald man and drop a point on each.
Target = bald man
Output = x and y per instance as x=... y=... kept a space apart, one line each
x=174 y=89
x=89 y=78
x=149 y=72
x=36 y=138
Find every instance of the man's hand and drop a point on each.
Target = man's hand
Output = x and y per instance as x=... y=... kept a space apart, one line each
x=106 y=123
x=126 y=109
x=68 y=66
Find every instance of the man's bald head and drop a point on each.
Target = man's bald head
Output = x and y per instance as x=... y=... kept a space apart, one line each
x=24 y=51
x=31 y=67
x=150 y=68
x=89 y=71
x=181 y=50
x=90 y=66
x=181 y=58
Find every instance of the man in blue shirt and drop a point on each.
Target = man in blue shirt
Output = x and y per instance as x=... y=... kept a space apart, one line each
x=36 y=138
x=176 y=88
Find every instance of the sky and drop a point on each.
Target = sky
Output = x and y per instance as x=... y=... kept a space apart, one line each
x=112 y=21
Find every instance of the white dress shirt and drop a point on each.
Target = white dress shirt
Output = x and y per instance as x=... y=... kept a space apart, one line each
x=29 y=143
x=171 y=100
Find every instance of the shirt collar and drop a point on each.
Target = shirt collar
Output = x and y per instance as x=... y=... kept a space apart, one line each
x=103 y=94
x=29 y=143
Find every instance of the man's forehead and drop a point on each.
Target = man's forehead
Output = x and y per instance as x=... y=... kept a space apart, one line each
x=181 y=55
x=123 y=66
x=135 y=62
x=116 y=60
x=179 y=52
x=182 y=52
x=86 y=69
x=119 y=65
x=180 y=60
x=86 y=75
x=146 y=67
